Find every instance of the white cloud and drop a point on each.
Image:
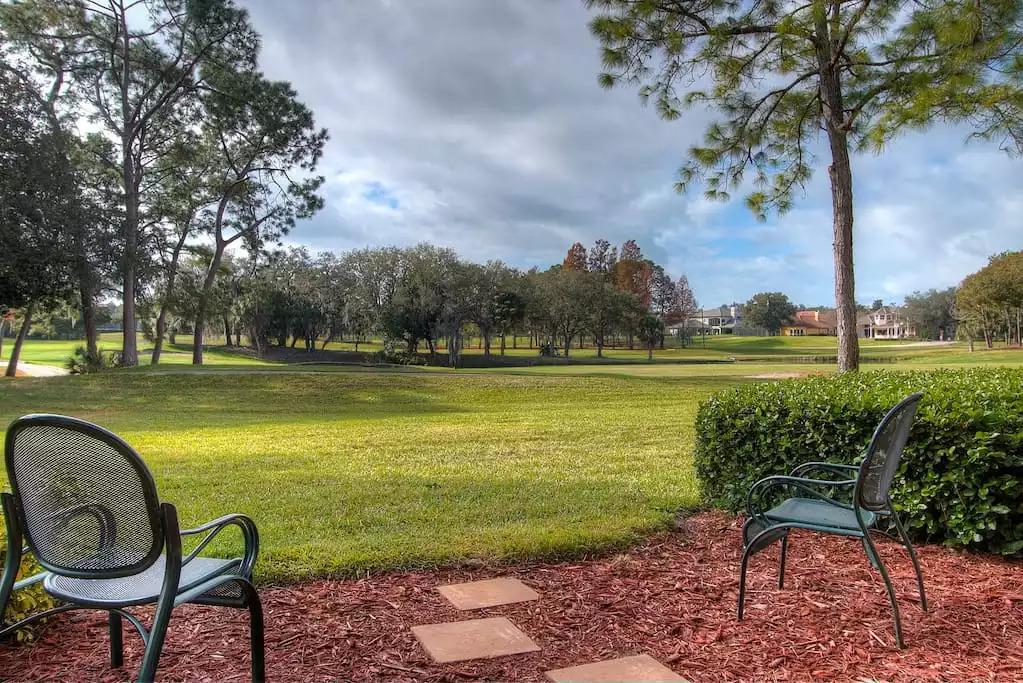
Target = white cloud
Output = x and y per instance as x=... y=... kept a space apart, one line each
x=484 y=123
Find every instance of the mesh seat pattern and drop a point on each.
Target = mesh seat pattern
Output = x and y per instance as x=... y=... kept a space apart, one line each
x=139 y=588
x=885 y=454
x=88 y=505
x=813 y=511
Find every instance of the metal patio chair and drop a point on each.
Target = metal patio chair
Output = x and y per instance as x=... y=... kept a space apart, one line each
x=819 y=509
x=85 y=505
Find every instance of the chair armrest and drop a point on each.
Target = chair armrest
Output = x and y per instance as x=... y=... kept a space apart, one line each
x=28 y=581
x=802 y=484
x=834 y=468
x=249 y=534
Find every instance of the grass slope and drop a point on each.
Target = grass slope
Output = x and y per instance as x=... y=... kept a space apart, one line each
x=348 y=469
x=716 y=348
x=357 y=471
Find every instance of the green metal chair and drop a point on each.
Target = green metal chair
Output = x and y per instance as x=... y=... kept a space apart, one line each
x=819 y=508
x=85 y=505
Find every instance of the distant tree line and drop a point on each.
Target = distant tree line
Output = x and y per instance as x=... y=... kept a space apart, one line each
x=989 y=303
x=426 y=299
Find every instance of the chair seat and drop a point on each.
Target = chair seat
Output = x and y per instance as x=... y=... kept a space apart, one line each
x=817 y=512
x=138 y=589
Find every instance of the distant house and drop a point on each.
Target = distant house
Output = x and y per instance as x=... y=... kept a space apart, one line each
x=687 y=328
x=812 y=324
x=720 y=320
x=887 y=322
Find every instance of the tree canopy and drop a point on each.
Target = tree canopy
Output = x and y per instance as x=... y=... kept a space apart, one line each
x=990 y=301
x=38 y=201
x=769 y=310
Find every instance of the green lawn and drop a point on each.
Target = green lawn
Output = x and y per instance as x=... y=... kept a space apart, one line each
x=56 y=352
x=728 y=347
x=350 y=471
x=717 y=348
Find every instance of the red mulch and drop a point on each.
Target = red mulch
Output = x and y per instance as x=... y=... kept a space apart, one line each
x=672 y=597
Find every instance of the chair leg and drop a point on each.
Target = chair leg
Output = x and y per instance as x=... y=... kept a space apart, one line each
x=912 y=556
x=872 y=553
x=256 y=634
x=116 y=640
x=742 y=579
x=781 y=563
x=151 y=657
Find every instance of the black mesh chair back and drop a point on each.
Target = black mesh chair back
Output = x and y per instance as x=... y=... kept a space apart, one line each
x=87 y=503
x=884 y=454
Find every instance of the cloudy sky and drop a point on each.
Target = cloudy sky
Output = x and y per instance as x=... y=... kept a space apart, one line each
x=479 y=125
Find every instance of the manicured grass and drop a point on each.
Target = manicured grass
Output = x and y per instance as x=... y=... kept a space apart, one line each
x=727 y=347
x=351 y=471
x=56 y=352
x=716 y=347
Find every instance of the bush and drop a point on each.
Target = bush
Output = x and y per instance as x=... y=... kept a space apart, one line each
x=81 y=362
x=395 y=353
x=961 y=479
x=27 y=600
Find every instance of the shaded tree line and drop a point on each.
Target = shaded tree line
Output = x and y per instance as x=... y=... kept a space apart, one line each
x=989 y=303
x=426 y=299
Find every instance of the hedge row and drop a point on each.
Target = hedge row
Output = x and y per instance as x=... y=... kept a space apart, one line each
x=961 y=479
x=27 y=600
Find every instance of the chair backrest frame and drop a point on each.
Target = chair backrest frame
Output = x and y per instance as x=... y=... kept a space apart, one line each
x=878 y=500
x=151 y=517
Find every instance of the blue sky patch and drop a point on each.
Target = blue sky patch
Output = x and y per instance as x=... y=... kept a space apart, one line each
x=377 y=193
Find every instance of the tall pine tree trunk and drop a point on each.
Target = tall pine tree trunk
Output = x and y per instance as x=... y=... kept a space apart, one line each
x=161 y=319
x=840 y=174
x=89 y=316
x=129 y=348
x=204 y=302
x=26 y=323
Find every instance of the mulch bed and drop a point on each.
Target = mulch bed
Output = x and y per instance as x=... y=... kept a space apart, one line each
x=672 y=598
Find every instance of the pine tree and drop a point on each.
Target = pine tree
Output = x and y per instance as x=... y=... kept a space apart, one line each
x=780 y=73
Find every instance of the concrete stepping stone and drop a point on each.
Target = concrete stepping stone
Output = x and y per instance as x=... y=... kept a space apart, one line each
x=489 y=593
x=639 y=669
x=458 y=641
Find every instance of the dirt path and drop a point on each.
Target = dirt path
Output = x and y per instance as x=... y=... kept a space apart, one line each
x=35 y=370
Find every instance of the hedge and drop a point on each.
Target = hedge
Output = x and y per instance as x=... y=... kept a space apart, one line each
x=27 y=600
x=961 y=479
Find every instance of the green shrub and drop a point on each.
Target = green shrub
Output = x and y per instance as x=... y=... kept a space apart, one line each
x=395 y=352
x=27 y=600
x=961 y=479
x=81 y=362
